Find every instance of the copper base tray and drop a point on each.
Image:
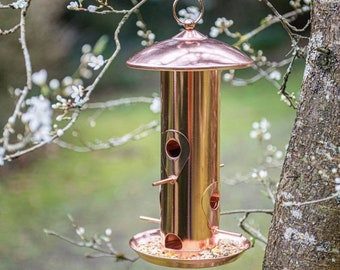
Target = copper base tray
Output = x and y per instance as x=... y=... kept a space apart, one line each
x=185 y=259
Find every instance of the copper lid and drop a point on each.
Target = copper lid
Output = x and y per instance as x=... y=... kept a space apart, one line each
x=189 y=50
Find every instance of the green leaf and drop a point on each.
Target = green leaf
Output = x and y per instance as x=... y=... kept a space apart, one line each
x=100 y=45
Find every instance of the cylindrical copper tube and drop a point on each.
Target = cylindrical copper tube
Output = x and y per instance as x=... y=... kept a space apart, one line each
x=190 y=151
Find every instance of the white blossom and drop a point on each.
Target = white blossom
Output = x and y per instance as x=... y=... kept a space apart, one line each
x=19 y=4
x=77 y=92
x=96 y=62
x=54 y=84
x=73 y=5
x=263 y=174
x=140 y=24
x=259 y=174
x=17 y=92
x=59 y=118
x=275 y=75
x=86 y=48
x=91 y=8
x=2 y=153
x=285 y=100
x=67 y=81
x=40 y=77
x=214 y=32
x=61 y=104
x=108 y=231
x=39 y=118
x=151 y=36
x=11 y=120
x=155 y=106
x=223 y=23
x=80 y=231
x=246 y=47
x=60 y=132
x=228 y=76
x=191 y=13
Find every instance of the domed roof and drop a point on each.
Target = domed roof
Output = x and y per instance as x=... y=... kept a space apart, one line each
x=189 y=50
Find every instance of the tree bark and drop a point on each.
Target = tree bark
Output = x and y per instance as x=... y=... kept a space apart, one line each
x=305 y=235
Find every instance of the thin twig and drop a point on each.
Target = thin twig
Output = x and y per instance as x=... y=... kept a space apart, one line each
x=10 y=31
x=137 y=134
x=268 y=23
x=117 y=102
x=82 y=244
x=91 y=88
x=291 y=203
x=28 y=66
x=249 y=211
x=251 y=230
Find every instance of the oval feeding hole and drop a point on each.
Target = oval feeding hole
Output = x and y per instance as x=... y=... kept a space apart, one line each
x=215 y=201
x=173 y=148
x=173 y=241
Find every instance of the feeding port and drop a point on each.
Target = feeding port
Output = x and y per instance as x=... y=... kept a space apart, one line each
x=189 y=234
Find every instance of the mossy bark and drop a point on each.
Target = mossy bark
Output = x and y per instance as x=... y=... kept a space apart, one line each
x=307 y=235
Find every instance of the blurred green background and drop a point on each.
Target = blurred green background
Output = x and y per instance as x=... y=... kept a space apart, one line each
x=112 y=188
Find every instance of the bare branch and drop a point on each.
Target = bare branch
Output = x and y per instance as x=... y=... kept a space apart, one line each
x=117 y=102
x=247 y=211
x=137 y=134
x=10 y=31
x=289 y=16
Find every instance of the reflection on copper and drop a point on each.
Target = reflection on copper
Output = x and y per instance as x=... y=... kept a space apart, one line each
x=190 y=50
x=190 y=65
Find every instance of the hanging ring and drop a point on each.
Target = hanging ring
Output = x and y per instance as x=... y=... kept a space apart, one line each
x=188 y=24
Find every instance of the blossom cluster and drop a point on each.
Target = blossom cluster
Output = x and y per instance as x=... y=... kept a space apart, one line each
x=273 y=156
x=20 y=4
x=261 y=175
x=147 y=35
x=284 y=98
x=191 y=13
x=77 y=5
x=38 y=118
x=90 y=59
x=67 y=87
x=260 y=130
x=222 y=25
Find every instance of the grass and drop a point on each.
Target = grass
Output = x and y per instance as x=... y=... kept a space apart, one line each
x=111 y=188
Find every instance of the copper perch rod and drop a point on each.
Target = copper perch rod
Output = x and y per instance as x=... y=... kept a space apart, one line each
x=216 y=231
x=170 y=180
x=150 y=219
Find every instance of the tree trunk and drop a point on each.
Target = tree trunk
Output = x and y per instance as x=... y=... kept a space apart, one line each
x=306 y=235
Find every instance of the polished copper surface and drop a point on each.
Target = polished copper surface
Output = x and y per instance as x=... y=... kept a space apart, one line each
x=190 y=124
x=189 y=50
x=190 y=65
x=187 y=259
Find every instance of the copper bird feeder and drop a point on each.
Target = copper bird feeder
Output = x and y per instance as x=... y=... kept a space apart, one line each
x=189 y=234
